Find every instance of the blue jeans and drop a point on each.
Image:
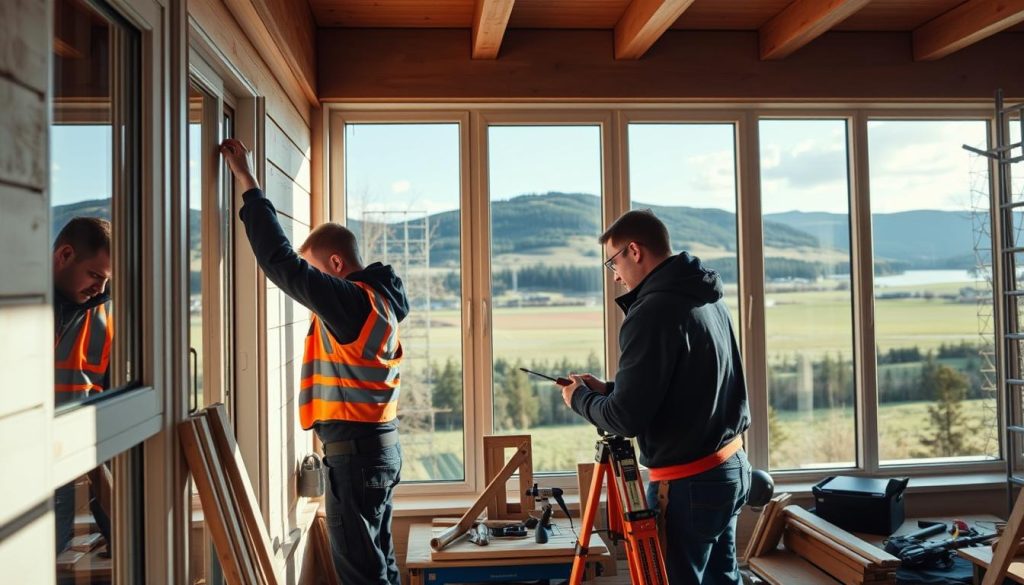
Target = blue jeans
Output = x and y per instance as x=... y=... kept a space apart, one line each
x=358 y=498
x=700 y=524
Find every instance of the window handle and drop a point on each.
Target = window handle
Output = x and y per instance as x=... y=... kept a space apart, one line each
x=193 y=365
x=486 y=316
x=468 y=311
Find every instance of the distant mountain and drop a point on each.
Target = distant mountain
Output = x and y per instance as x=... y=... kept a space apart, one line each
x=924 y=238
x=536 y=223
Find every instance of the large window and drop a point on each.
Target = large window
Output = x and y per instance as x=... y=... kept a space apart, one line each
x=404 y=204
x=797 y=191
x=933 y=298
x=96 y=198
x=686 y=175
x=546 y=282
x=808 y=300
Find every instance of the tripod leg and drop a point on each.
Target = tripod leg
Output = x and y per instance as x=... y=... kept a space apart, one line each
x=579 y=563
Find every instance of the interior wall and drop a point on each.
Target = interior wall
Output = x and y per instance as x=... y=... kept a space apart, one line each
x=287 y=145
x=26 y=408
x=381 y=65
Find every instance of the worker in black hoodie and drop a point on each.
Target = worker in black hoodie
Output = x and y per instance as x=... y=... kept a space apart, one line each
x=680 y=391
x=350 y=378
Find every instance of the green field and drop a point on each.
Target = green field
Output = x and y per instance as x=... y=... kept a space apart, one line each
x=809 y=440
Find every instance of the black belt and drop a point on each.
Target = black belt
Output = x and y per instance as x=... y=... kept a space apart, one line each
x=363 y=446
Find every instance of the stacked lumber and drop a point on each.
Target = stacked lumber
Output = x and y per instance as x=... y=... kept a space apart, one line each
x=229 y=503
x=816 y=551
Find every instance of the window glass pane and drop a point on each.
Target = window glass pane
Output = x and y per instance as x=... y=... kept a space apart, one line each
x=808 y=301
x=933 y=299
x=686 y=174
x=402 y=189
x=94 y=198
x=196 y=160
x=546 y=282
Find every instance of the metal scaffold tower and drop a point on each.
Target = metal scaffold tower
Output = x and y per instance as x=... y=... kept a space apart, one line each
x=402 y=239
x=981 y=222
x=1008 y=248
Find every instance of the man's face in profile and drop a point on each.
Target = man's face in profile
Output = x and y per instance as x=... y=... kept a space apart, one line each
x=78 y=278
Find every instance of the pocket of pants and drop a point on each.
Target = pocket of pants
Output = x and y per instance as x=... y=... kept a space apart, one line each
x=712 y=506
x=378 y=483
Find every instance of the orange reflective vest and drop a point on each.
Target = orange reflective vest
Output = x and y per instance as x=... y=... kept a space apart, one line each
x=82 y=354
x=355 y=381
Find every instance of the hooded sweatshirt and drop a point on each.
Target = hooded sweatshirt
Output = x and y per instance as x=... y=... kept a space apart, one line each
x=340 y=304
x=679 y=388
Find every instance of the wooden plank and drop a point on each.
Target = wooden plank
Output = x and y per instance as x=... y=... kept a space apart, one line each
x=494 y=460
x=285 y=102
x=842 y=537
x=238 y=478
x=830 y=547
x=23 y=49
x=643 y=23
x=800 y=23
x=287 y=156
x=825 y=559
x=259 y=20
x=20 y=490
x=24 y=239
x=712 y=66
x=965 y=25
x=23 y=149
x=288 y=197
x=1002 y=555
x=562 y=543
x=781 y=568
x=214 y=512
x=774 y=524
x=497 y=484
x=27 y=359
x=322 y=544
x=490 y=19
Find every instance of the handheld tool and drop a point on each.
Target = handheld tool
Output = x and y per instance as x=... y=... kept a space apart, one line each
x=560 y=381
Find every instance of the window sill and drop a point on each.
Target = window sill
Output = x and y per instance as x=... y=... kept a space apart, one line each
x=455 y=506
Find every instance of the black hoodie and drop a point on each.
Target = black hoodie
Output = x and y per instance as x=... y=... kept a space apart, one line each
x=341 y=305
x=680 y=387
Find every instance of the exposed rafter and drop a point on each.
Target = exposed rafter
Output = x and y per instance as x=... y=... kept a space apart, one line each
x=643 y=23
x=801 y=22
x=965 y=25
x=490 y=19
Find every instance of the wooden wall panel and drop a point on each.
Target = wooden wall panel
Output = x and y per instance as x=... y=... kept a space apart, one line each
x=24 y=239
x=28 y=553
x=434 y=65
x=23 y=147
x=288 y=197
x=23 y=51
x=26 y=365
x=288 y=157
x=21 y=463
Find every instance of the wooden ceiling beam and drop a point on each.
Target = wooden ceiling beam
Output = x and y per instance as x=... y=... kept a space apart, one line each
x=490 y=19
x=965 y=25
x=643 y=23
x=800 y=23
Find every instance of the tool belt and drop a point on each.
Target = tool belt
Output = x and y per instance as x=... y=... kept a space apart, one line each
x=700 y=465
x=364 y=446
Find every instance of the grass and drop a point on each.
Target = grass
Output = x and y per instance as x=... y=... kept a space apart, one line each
x=809 y=440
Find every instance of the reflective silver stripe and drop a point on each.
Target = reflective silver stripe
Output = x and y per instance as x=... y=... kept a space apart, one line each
x=97 y=336
x=325 y=336
x=339 y=370
x=353 y=395
x=373 y=342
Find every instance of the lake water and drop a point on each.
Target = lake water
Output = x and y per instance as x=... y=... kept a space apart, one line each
x=916 y=277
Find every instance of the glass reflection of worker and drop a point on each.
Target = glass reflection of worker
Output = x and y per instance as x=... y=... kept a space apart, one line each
x=680 y=390
x=83 y=332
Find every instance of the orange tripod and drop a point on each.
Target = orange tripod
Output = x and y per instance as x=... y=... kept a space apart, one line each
x=629 y=517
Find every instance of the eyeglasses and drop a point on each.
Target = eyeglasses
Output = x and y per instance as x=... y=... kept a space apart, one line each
x=609 y=262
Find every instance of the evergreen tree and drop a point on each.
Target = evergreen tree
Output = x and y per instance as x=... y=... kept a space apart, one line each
x=448 y=395
x=947 y=417
x=522 y=402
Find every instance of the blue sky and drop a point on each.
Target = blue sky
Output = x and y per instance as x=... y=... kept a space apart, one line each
x=914 y=165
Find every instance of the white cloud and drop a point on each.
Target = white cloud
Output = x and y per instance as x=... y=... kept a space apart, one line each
x=400 y=186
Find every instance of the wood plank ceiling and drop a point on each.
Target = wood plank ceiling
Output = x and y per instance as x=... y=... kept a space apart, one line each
x=939 y=27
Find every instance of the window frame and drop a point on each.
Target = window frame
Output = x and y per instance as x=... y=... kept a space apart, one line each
x=745 y=117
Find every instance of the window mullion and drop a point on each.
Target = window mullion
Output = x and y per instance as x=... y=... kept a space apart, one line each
x=866 y=383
